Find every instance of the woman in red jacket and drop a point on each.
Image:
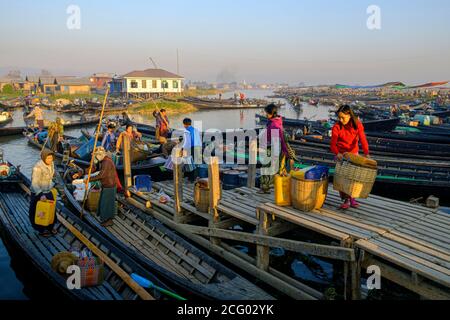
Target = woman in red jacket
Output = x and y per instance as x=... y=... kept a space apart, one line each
x=346 y=135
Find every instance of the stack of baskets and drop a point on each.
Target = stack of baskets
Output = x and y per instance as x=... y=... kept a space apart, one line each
x=309 y=191
x=355 y=176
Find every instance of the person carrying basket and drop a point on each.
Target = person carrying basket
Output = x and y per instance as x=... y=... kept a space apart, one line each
x=347 y=133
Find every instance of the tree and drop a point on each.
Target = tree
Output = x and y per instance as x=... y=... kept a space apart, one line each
x=8 y=88
x=55 y=82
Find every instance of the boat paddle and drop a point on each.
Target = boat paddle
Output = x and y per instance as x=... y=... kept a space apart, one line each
x=145 y=283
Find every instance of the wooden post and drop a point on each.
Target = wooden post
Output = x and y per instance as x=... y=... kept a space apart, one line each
x=177 y=184
x=127 y=163
x=356 y=274
x=214 y=193
x=263 y=252
x=251 y=176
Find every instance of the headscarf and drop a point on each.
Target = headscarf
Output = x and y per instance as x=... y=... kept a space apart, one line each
x=45 y=153
x=100 y=154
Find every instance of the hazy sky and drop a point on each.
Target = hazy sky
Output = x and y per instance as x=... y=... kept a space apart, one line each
x=314 y=41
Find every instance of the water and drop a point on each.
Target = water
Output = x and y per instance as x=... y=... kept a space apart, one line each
x=245 y=118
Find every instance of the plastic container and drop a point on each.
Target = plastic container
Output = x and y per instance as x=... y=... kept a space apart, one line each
x=282 y=186
x=143 y=183
x=231 y=178
x=93 y=200
x=202 y=171
x=84 y=151
x=45 y=213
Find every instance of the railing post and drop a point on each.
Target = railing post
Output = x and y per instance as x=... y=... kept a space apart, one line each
x=214 y=193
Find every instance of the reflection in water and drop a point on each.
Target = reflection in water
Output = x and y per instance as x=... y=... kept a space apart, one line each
x=10 y=287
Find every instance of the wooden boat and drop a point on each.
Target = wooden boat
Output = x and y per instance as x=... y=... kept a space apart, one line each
x=411 y=136
x=153 y=165
x=372 y=125
x=169 y=256
x=38 y=251
x=388 y=147
x=5 y=118
x=12 y=131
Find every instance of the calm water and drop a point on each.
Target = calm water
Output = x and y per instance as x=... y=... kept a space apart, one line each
x=17 y=151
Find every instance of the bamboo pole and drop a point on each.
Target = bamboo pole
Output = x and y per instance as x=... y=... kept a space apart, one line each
x=95 y=148
x=141 y=292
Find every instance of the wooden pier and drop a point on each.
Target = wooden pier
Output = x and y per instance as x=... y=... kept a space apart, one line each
x=408 y=243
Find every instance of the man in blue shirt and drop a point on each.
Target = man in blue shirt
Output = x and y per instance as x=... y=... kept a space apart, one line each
x=192 y=144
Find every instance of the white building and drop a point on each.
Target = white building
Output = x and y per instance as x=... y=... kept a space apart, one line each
x=147 y=83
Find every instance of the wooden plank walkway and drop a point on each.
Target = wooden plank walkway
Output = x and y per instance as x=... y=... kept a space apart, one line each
x=410 y=243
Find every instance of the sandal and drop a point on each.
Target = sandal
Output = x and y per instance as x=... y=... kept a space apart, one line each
x=45 y=234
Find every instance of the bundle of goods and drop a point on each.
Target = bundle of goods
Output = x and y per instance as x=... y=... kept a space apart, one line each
x=309 y=187
x=92 y=270
x=355 y=175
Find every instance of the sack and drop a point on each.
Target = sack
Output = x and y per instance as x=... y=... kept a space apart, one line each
x=45 y=211
x=92 y=271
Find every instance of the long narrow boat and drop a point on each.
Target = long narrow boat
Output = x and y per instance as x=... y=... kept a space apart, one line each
x=38 y=251
x=386 y=146
x=168 y=255
x=372 y=125
x=152 y=166
x=11 y=131
x=411 y=136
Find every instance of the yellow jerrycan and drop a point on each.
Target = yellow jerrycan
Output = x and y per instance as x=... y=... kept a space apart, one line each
x=45 y=211
x=282 y=184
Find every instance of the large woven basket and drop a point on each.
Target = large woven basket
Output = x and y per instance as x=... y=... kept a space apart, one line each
x=307 y=195
x=354 y=180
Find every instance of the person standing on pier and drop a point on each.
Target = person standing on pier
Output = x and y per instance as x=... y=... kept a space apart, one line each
x=275 y=124
x=346 y=135
x=107 y=176
x=192 y=145
x=38 y=115
x=41 y=190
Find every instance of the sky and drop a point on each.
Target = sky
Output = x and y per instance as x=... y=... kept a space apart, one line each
x=310 y=41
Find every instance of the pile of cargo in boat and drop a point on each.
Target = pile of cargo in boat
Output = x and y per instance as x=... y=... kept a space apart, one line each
x=80 y=150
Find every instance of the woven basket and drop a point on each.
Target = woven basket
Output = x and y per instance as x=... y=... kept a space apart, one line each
x=307 y=195
x=354 y=180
